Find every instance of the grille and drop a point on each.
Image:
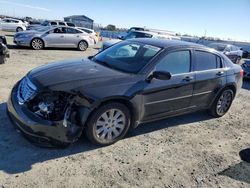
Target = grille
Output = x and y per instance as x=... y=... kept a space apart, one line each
x=26 y=91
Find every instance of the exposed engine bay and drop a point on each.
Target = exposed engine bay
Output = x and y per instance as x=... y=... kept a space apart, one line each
x=56 y=106
x=50 y=106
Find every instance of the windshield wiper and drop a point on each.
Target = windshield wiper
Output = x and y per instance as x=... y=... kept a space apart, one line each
x=101 y=62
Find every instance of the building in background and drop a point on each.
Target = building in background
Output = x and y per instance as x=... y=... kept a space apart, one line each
x=80 y=21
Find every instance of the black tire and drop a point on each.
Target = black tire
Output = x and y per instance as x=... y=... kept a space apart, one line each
x=218 y=108
x=37 y=44
x=82 y=45
x=238 y=60
x=19 y=29
x=92 y=129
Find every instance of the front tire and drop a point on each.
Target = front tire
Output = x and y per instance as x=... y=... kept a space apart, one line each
x=108 y=124
x=83 y=45
x=37 y=44
x=222 y=103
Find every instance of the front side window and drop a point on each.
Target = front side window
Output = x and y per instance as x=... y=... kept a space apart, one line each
x=175 y=62
x=127 y=56
x=207 y=61
x=59 y=30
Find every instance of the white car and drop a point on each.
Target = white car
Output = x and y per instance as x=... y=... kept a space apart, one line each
x=138 y=34
x=10 y=24
x=91 y=32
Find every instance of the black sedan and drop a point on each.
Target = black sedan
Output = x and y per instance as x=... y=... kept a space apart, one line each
x=132 y=82
x=3 y=40
x=246 y=68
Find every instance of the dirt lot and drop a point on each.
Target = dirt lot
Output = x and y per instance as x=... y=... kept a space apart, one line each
x=189 y=151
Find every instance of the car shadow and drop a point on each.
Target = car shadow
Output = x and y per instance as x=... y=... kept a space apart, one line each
x=240 y=171
x=13 y=47
x=246 y=84
x=18 y=155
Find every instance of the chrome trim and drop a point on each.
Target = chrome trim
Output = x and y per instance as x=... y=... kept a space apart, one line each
x=176 y=98
x=26 y=91
x=203 y=93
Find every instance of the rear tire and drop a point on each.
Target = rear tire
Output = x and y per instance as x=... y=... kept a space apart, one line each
x=37 y=44
x=19 y=29
x=82 y=46
x=222 y=103
x=108 y=124
x=238 y=60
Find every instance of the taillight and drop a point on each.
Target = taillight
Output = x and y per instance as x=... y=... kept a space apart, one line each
x=241 y=72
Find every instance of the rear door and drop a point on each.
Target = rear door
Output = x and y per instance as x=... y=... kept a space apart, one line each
x=163 y=97
x=210 y=77
x=72 y=37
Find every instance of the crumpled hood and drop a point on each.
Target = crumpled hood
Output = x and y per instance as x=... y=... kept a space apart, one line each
x=73 y=74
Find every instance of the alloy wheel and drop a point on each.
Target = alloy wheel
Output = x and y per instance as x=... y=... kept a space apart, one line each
x=37 y=44
x=82 y=46
x=110 y=125
x=224 y=102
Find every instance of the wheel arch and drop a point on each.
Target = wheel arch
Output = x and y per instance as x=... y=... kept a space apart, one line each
x=44 y=44
x=121 y=99
x=231 y=86
x=84 y=41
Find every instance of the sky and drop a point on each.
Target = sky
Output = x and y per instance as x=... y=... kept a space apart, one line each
x=217 y=18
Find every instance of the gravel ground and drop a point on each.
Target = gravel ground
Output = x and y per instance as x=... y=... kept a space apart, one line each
x=193 y=150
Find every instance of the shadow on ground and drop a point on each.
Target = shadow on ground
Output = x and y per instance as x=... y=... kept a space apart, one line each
x=18 y=155
x=246 y=84
x=11 y=46
x=239 y=172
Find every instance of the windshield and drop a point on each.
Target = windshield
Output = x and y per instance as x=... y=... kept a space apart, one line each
x=42 y=29
x=218 y=47
x=127 y=56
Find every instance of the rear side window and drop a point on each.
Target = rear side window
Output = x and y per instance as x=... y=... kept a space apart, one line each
x=207 y=61
x=72 y=31
x=53 y=23
x=61 y=23
x=176 y=62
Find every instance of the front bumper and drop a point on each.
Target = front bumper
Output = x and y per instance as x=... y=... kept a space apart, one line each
x=21 y=42
x=42 y=132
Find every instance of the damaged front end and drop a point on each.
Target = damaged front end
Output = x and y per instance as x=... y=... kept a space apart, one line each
x=53 y=117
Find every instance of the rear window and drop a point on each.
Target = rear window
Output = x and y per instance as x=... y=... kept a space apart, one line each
x=207 y=61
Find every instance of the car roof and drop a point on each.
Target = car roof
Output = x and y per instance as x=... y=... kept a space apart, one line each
x=11 y=19
x=165 y=43
x=224 y=44
x=86 y=29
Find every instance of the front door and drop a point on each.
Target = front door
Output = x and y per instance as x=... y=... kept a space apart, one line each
x=55 y=37
x=162 y=97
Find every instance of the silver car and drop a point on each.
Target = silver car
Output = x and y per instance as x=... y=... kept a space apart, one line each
x=59 y=37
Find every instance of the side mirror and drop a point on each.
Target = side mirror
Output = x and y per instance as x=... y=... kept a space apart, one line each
x=90 y=57
x=120 y=37
x=160 y=75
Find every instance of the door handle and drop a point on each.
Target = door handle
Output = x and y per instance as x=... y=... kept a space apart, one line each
x=220 y=73
x=78 y=36
x=62 y=36
x=188 y=78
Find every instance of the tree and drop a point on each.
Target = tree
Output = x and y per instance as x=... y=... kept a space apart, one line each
x=111 y=27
